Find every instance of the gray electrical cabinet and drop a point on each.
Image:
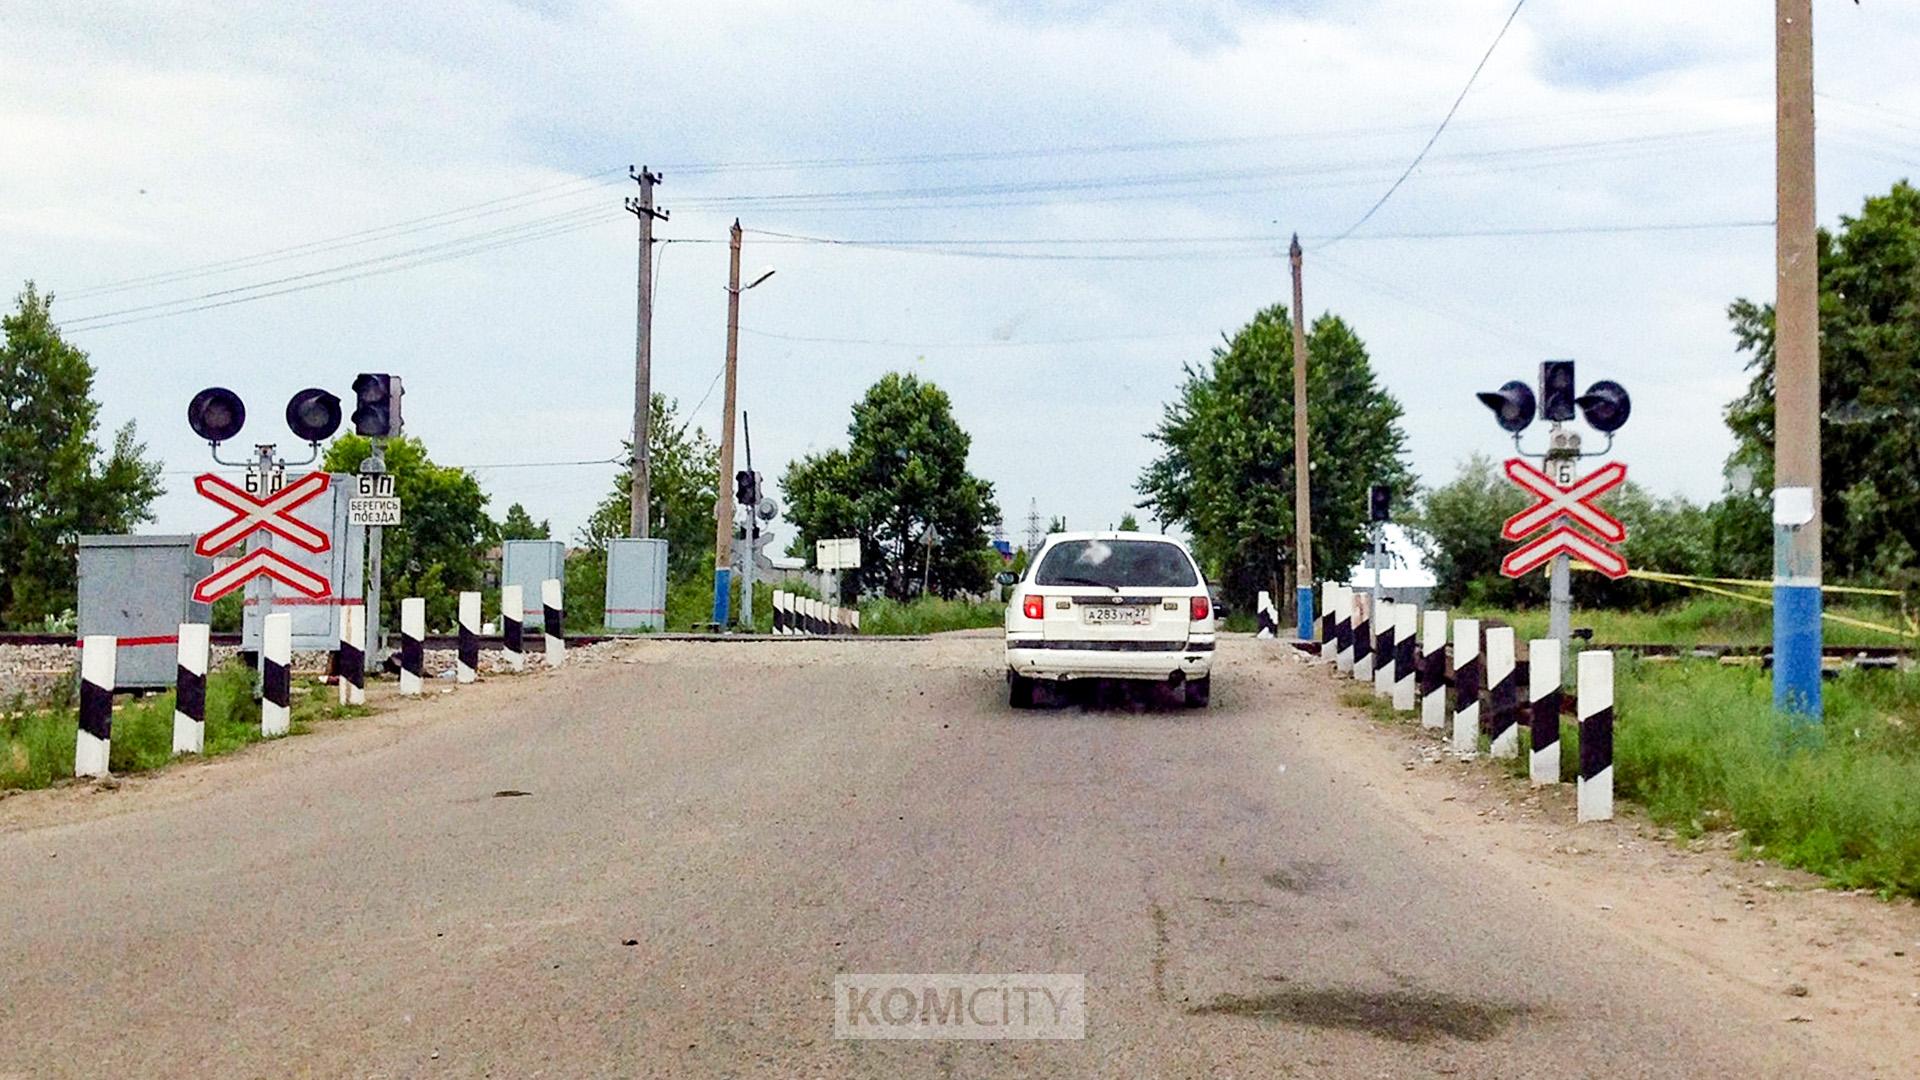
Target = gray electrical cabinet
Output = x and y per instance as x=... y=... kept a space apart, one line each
x=527 y=563
x=316 y=619
x=636 y=584
x=140 y=589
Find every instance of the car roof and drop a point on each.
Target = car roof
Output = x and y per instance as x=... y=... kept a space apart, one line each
x=1111 y=534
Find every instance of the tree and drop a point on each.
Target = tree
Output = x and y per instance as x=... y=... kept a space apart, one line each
x=1129 y=523
x=436 y=551
x=1869 y=383
x=55 y=484
x=904 y=469
x=519 y=525
x=1056 y=524
x=685 y=465
x=1225 y=468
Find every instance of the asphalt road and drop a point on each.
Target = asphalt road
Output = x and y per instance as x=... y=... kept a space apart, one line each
x=711 y=833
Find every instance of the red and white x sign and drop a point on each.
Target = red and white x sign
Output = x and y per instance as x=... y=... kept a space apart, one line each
x=273 y=513
x=1563 y=540
x=258 y=563
x=1574 y=502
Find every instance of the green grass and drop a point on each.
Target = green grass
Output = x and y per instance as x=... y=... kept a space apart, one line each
x=929 y=615
x=1710 y=621
x=36 y=745
x=1700 y=746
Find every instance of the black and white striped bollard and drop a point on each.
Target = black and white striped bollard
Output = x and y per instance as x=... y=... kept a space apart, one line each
x=1503 y=698
x=190 y=690
x=413 y=645
x=93 y=745
x=853 y=621
x=1362 y=639
x=1343 y=630
x=1384 y=618
x=353 y=655
x=1433 y=670
x=513 y=621
x=467 y=660
x=552 y=620
x=1406 y=625
x=1594 y=792
x=1269 y=618
x=1466 y=687
x=1543 y=696
x=779 y=613
x=1329 y=597
x=276 y=675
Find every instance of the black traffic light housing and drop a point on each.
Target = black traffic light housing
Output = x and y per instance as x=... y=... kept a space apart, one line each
x=1380 y=503
x=1556 y=390
x=1512 y=405
x=746 y=488
x=216 y=414
x=1605 y=406
x=313 y=414
x=376 y=411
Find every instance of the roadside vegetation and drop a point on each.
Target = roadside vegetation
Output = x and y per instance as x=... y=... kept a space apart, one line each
x=929 y=615
x=1711 y=621
x=36 y=744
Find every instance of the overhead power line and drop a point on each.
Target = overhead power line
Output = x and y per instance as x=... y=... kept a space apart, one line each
x=1435 y=137
x=485 y=208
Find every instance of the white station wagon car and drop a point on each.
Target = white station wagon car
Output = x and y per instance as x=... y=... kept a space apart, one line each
x=1111 y=605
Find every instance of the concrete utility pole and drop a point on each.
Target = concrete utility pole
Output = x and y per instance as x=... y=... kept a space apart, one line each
x=638 y=518
x=723 y=503
x=1796 y=450
x=1302 y=483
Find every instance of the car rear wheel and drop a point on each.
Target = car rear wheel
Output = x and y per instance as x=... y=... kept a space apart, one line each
x=1198 y=691
x=1019 y=691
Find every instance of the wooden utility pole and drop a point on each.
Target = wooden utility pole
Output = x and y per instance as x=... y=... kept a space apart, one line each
x=723 y=502
x=1796 y=394
x=1302 y=481
x=639 y=521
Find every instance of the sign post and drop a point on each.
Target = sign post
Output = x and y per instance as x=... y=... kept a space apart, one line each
x=374 y=469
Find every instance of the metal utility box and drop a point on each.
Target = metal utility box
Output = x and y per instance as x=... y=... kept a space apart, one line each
x=140 y=589
x=316 y=620
x=527 y=563
x=636 y=584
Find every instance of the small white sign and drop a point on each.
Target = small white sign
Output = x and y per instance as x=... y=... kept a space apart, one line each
x=376 y=485
x=373 y=510
x=1792 y=506
x=838 y=554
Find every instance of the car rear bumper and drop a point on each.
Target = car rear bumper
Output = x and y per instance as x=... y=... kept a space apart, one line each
x=1156 y=660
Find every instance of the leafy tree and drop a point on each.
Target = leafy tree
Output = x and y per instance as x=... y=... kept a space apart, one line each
x=436 y=551
x=904 y=469
x=1869 y=383
x=1056 y=524
x=1129 y=523
x=1225 y=468
x=55 y=483
x=519 y=525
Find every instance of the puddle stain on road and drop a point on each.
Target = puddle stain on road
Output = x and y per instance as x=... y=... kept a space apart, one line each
x=1409 y=1017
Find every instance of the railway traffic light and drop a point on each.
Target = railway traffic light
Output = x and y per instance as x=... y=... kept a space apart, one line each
x=1556 y=390
x=1380 y=503
x=216 y=414
x=376 y=411
x=313 y=414
x=746 y=488
x=1605 y=405
x=1512 y=405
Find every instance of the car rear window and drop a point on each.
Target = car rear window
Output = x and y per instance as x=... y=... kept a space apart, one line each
x=1148 y=564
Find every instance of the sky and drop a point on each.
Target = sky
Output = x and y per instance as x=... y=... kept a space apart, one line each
x=1073 y=201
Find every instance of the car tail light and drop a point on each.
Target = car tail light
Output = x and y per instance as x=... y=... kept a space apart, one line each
x=1034 y=607
x=1198 y=608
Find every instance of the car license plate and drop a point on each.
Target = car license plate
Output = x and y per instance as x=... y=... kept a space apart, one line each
x=1118 y=615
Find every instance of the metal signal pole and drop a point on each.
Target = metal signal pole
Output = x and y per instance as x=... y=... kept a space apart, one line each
x=1302 y=483
x=640 y=495
x=1796 y=451
x=723 y=502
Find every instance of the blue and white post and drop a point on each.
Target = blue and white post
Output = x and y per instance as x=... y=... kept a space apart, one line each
x=1796 y=602
x=1303 y=608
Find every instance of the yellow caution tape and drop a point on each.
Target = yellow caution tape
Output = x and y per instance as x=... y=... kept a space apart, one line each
x=1711 y=585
